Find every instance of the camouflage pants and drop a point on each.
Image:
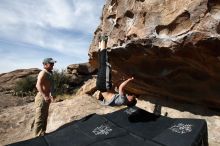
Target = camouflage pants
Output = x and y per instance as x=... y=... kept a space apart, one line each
x=41 y=114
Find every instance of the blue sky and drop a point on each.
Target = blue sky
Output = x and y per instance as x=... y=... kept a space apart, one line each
x=31 y=30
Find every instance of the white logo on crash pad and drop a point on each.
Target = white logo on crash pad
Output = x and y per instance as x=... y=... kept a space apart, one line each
x=130 y=111
x=102 y=130
x=181 y=128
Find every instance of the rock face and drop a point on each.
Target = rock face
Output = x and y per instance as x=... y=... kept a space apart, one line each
x=171 y=47
x=8 y=80
x=78 y=73
x=89 y=87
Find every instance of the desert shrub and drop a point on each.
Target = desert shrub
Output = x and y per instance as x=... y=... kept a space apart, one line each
x=61 y=82
x=25 y=86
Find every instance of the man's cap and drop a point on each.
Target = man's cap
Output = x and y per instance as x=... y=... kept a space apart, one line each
x=49 y=60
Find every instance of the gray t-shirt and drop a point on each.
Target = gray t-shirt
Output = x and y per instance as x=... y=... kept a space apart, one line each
x=116 y=100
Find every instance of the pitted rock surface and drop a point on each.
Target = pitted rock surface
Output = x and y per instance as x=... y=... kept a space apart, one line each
x=171 y=47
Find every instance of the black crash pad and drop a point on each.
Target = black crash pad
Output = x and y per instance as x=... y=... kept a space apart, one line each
x=126 y=127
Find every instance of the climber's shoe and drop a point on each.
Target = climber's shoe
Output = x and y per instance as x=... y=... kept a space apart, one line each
x=103 y=37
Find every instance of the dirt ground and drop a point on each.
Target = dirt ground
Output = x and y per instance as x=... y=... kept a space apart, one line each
x=8 y=100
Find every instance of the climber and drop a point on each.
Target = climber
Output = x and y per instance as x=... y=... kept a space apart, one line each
x=104 y=83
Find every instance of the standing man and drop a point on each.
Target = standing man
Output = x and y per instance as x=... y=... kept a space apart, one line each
x=45 y=95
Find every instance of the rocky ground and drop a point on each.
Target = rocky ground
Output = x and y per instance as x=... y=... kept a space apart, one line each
x=16 y=121
x=7 y=100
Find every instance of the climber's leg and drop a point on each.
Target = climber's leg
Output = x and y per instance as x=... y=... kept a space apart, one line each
x=103 y=82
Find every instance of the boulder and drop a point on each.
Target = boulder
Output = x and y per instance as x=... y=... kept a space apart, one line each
x=8 y=80
x=79 y=73
x=89 y=87
x=81 y=69
x=75 y=80
x=170 y=47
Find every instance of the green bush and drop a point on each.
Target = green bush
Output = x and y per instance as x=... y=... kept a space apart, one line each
x=61 y=82
x=25 y=86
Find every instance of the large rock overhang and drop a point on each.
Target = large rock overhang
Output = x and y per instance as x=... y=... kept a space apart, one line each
x=171 y=47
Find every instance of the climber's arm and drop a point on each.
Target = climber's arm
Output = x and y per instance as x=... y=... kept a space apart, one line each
x=123 y=84
x=103 y=82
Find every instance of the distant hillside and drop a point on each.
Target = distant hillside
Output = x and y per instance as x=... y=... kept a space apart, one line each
x=8 y=80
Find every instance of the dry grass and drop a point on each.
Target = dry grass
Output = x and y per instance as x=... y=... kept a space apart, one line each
x=63 y=97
